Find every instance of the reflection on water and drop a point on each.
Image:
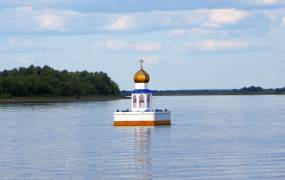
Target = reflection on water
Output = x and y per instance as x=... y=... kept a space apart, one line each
x=142 y=151
x=212 y=137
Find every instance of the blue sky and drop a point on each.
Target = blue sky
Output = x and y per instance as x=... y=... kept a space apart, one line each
x=185 y=44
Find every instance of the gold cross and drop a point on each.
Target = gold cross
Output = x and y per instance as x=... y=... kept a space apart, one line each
x=141 y=61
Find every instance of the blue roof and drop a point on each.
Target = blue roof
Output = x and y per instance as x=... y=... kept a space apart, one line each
x=141 y=91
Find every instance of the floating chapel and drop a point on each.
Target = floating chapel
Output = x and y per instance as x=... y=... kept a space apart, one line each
x=142 y=112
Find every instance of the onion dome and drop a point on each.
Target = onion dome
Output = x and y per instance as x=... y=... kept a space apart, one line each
x=141 y=76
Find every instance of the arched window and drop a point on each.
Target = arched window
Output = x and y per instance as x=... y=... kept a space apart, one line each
x=134 y=101
x=141 y=100
x=148 y=100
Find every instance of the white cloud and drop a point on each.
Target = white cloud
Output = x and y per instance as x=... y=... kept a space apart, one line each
x=124 y=46
x=111 y=45
x=269 y=2
x=220 y=17
x=206 y=32
x=19 y=42
x=177 y=33
x=148 y=47
x=213 y=18
x=120 y=24
x=217 y=45
x=203 y=22
x=198 y=32
x=51 y=22
x=29 y=20
x=283 y=21
x=114 y=44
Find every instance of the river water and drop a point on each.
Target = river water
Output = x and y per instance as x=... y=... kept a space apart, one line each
x=212 y=137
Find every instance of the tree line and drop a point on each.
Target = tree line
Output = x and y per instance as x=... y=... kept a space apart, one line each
x=251 y=90
x=46 y=81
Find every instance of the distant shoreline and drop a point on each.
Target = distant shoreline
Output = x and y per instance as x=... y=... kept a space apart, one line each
x=253 y=94
x=52 y=99
x=215 y=92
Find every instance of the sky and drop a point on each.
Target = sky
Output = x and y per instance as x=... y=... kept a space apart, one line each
x=186 y=44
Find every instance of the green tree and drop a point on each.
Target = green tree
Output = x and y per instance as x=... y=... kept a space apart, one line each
x=41 y=81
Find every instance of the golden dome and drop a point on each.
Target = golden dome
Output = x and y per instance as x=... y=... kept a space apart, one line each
x=141 y=77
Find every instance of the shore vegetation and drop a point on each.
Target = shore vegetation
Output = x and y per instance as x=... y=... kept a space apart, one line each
x=45 y=81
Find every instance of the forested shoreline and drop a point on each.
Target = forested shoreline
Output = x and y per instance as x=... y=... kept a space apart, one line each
x=252 y=90
x=36 y=81
x=46 y=81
